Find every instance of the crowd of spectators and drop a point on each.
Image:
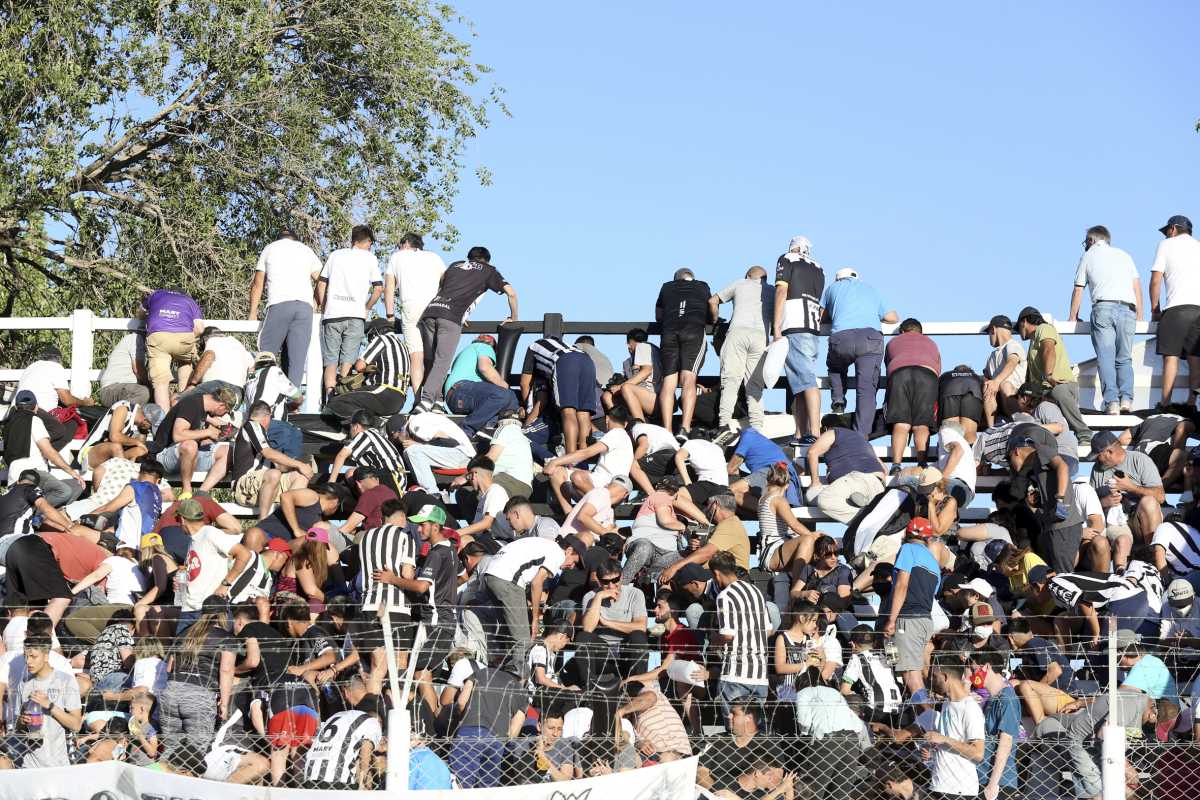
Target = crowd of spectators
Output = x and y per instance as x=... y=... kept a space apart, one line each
x=478 y=543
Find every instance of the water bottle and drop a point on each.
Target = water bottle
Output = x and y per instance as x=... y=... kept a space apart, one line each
x=34 y=716
x=181 y=583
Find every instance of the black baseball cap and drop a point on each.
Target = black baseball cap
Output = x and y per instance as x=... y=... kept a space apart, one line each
x=1039 y=574
x=1103 y=440
x=1028 y=311
x=692 y=572
x=1177 y=221
x=25 y=398
x=998 y=321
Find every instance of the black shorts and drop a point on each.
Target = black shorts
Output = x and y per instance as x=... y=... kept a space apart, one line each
x=682 y=351
x=1161 y=455
x=439 y=640
x=1177 y=331
x=702 y=491
x=912 y=394
x=658 y=465
x=367 y=636
x=960 y=405
x=33 y=576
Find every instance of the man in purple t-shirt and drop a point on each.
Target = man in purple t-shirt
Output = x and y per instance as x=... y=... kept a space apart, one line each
x=913 y=367
x=172 y=325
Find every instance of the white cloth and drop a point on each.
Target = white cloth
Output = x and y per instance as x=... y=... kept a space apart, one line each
x=752 y=304
x=965 y=469
x=1178 y=259
x=708 y=460
x=418 y=274
x=658 y=437
x=14 y=636
x=617 y=460
x=961 y=720
x=822 y=710
x=231 y=360
x=119 y=367
x=150 y=673
x=207 y=564
x=1108 y=272
x=290 y=267
x=350 y=273
x=44 y=378
x=645 y=354
x=493 y=502
x=126 y=582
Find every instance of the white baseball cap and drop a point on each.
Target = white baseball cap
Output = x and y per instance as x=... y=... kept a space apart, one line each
x=843 y=274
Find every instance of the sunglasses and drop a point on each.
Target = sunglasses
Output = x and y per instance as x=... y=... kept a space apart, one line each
x=608 y=581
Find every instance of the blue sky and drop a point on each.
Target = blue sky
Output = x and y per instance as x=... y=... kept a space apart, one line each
x=953 y=154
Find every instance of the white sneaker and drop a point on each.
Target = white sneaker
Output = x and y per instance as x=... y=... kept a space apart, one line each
x=1112 y=409
x=1126 y=406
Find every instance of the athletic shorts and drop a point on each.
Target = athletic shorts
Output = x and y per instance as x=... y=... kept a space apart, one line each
x=368 y=635
x=967 y=406
x=1177 y=331
x=912 y=635
x=682 y=351
x=222 y=761
x=702 y=491
x=658 y=465
x=33 y=575
x=164 y=349
x=912 y=394
x=170 y=458
x=439 y=640
x=340 y=340
x=294 y=716
x=574 y=382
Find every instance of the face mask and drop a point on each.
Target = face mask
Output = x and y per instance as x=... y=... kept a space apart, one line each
x=977 y=678
x=118 y=753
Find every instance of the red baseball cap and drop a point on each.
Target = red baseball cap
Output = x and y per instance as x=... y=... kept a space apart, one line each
x=919 y=526
x=486 y=338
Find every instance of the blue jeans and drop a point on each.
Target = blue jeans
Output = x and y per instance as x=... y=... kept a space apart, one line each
x=476 y=757
x=481 y=401
x=1112 y=337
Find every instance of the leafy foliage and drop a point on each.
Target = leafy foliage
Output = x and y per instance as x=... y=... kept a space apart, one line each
x=152 y=143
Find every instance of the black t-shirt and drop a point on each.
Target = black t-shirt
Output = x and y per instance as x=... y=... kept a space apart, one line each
x=415 y=499
x=463 y=283
x=1036 y=656
x=726 y=762
x=684 y=305
x=440 y=568
x=204 y=669
x=189 y=408
x=958 y=384
x=275 y=651
x=16 y=508
x=805 y=285
x=313 y=644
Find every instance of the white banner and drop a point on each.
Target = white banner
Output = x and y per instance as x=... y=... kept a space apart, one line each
x=114 y=781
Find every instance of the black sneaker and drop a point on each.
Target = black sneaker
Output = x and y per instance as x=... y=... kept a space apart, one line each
x=807 y=440
x=440 y=407
x=837 y=408
x=683 y=435
x=423 y=407
x=725 y=436
x=895 y=470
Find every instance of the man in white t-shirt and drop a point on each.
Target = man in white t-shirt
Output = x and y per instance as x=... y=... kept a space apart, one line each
x=492 y=498
x=347 y=290
x=594 y=514
x=1177 y=263
x=1004 y=372
x=1112 y=280
x=214 y=560
x=956 y=742
x=413 y=274
x=287 y=268
x=47 y=378
x=615 y=451
x=432 y=440
x=957 y=462
x=225 y=362
x=654 y=450
x=704 y=458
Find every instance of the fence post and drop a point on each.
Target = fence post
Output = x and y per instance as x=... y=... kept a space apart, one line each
x=82 y=349
x=1112 y=754
x=313 y=372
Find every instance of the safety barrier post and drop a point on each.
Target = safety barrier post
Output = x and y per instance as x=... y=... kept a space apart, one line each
x=313 y=370
x=1112 y=759
x=82 y=350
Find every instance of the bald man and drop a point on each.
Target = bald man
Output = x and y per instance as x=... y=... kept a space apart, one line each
x=745 y=343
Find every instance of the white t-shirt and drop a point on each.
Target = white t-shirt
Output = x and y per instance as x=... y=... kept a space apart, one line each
x=519 y=560
x=290 y=267
x=1178 y=259
x=427 y=426
x=708 y=460
x=961 y=720
x=644 y=354
x=43 y=378
x=493 y=502
x=14 y=636
x=965 y=469
x=231 y=360
x=126 y=582
x=1108 y=272
x=617 y=460
x=516 y=457
x=418 y=274
x=207 y=564
x=151 y=674
x=999 y=357
x=1086 y=500
x=659 y=438
x=119 y=368
x=350 y=272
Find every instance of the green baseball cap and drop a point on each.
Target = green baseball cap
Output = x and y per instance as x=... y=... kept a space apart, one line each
x=429 y=513
x=190 y=509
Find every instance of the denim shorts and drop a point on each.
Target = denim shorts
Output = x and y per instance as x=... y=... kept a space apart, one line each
x=801 y=364
x=340 y=340
x=169 y=459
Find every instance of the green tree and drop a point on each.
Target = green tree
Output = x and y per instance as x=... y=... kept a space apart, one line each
x=151 y=143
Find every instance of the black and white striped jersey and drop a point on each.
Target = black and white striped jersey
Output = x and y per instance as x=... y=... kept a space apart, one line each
x=100 y=432
x=1181 y=545
x=388 y=353
x=333 y=755
x=871 y=677
x=372 y=448
x=742 y=614
x=1098 y=589
x=542 y=355
x=271 y=386
x=385 y=547
x=248 y=450
x=254 y=581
